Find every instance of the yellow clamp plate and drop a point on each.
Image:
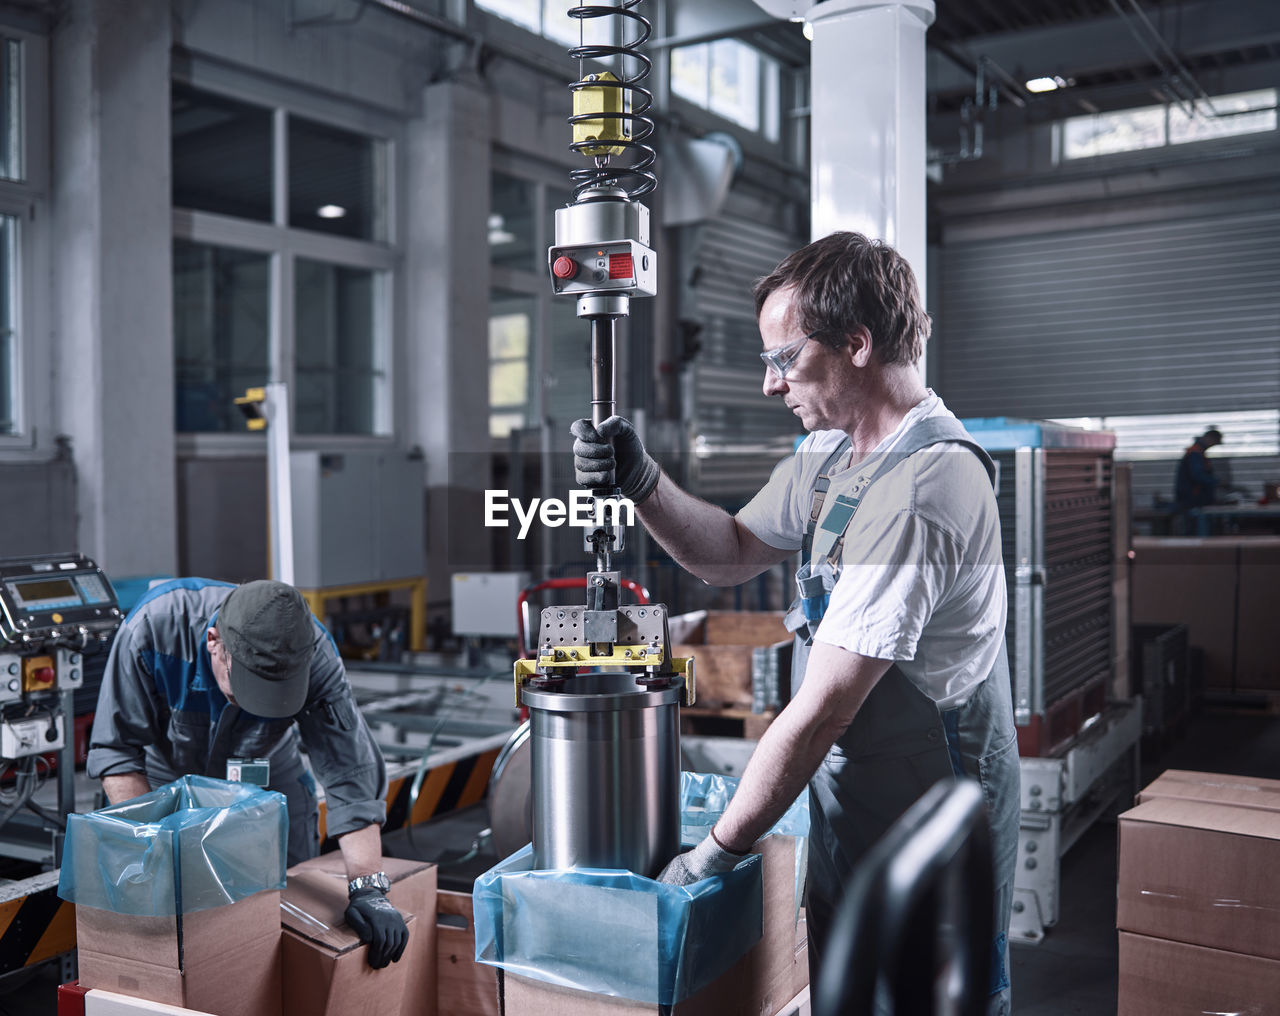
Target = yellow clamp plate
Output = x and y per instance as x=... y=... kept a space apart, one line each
x=525 y=669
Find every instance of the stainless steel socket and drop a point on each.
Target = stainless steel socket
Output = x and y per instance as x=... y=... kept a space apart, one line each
x=606 y=774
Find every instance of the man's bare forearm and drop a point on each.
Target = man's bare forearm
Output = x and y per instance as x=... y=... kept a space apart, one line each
x=124 y=786
x=704 y=539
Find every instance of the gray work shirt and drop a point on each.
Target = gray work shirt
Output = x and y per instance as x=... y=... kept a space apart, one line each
x=160 y=711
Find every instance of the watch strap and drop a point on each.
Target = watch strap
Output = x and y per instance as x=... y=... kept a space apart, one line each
x=376 y=880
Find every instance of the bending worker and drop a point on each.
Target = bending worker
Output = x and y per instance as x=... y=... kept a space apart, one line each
x=901 y=670
x=1195 y=485
x=202 y=672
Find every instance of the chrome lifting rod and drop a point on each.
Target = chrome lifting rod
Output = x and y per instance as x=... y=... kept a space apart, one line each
x=603 y=338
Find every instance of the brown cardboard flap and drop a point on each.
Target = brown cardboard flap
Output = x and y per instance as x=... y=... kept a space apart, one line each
x=154 y=940
x=1240 y=791
x=1201 y=873
x=319 y=981
x=1159 y=978
x=240 y=976
x=465 y=986
x=313 y=906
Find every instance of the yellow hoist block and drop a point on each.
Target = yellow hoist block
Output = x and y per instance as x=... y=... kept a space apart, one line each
x=592 y=100
x=250 y=404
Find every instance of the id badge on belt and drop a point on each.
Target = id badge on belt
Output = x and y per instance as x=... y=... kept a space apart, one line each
x=249 y=770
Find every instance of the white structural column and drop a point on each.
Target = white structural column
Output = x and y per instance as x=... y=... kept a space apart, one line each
x=112 y=278
x=868 y=121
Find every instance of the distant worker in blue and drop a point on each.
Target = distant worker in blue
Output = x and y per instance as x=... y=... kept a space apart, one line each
x=900 y=678
x=1196 y=485
x=203 y=673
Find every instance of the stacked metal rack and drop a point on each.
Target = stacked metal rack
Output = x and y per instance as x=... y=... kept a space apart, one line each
x=1077 y=740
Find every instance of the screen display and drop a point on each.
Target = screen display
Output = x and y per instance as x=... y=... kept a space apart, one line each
x=46 y=589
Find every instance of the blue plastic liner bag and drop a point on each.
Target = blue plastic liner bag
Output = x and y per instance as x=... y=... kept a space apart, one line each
x=703 y=798
x=615 y=932
x=190 y=845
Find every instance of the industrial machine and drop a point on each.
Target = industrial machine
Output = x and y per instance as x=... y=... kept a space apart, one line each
x=54 y=612
x=1078 y=741
x=603 y=691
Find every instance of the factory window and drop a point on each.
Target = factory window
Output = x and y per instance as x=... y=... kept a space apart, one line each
x=524 y=318
x=548 y=18
x=334 y=179
x=1249 y=432
x=11 y=99
x=511 y=325
x=221 y=155
x=511 y=224
x=339 y=374
x=8 y=324
x=732 y=80
x=221 y=306
x=1131 y=130
x=282 y=269
x=25 y=366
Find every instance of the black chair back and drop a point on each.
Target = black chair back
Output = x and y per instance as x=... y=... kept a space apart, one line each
x=915 y=927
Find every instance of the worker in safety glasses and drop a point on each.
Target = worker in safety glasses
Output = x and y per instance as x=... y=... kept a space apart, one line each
x=900 y=676
x=205 y=676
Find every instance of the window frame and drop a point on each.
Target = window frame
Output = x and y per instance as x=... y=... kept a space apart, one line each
x=770 y=117
x=284 y=244
x=1167 y=146
x=25 y=201
x=535 y=283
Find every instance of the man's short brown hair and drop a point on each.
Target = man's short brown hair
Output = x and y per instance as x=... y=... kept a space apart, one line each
x=846 y=280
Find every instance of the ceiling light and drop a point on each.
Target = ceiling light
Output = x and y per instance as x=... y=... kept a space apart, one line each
x=498 y=232
x=331 y=211
x=1048 y=84
x=807 y=30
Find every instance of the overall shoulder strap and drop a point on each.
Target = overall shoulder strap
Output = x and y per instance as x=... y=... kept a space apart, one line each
x=935 y=430
x=930 y=431
x=820 y=494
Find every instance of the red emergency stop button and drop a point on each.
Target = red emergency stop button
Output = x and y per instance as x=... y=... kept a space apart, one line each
x=564 y=267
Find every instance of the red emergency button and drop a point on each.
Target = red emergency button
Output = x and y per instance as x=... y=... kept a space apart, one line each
x=564 y=267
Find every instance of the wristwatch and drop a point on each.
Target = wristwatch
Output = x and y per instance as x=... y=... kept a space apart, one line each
x=378 y=880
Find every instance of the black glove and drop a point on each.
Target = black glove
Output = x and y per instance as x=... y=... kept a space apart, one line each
x=371 y=916
x=613 y=455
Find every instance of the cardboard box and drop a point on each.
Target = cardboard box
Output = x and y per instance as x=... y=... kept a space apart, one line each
x=464 y=987
x=1163 y=978
x=724 y=643
x=758 y=984
x=325 y=968
x=1222 y=588
x=1258 y=635
x=1201 y=873
x=1215 y=788
x=224 y=960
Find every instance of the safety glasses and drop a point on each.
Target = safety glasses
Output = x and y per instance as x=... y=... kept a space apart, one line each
x=783 y=358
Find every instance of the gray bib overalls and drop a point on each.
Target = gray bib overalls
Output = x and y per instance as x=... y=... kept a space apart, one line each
x=900 y=743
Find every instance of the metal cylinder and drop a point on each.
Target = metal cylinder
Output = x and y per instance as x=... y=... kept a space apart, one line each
x=606 y=774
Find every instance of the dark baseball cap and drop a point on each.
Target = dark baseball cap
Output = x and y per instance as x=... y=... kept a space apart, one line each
x=270 y=634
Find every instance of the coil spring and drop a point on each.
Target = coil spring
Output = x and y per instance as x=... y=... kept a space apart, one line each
x=638 y=178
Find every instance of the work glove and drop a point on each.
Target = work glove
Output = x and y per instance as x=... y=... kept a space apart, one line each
x=613 y=455
x=371 y=916
x=706 y=859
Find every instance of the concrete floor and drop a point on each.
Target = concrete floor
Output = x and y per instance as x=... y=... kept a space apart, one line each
x=1073 y=971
